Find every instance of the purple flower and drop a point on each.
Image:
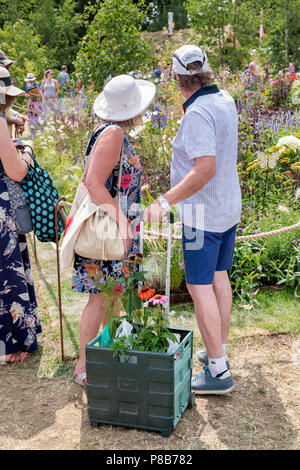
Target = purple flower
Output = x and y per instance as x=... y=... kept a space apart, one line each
x=240 y=229
x=181 y=265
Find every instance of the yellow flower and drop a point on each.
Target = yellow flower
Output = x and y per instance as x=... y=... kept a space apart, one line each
x=272 y=149
x=295 y=166
x=284 y=160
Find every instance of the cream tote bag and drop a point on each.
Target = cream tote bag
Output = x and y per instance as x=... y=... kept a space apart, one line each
x=90 y=232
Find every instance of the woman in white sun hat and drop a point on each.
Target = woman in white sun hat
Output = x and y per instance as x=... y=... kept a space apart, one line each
x=34 y=94
x=19 y=320
x=120 y=107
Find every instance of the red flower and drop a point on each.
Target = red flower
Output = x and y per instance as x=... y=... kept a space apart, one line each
x=125 y=180
x=118 y=289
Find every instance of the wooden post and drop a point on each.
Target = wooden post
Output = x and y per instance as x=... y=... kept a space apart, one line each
x=59 y=205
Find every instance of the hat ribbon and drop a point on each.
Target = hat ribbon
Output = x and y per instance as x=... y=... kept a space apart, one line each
x=6 y=81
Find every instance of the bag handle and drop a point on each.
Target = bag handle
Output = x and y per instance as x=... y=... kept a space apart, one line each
x=90 y=159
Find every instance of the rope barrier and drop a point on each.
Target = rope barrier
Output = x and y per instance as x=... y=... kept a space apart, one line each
x=241 y=238
x=238 y=239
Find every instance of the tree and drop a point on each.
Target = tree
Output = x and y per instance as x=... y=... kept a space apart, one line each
x=282 y=20
x=113 y=43
x=210 y=18
x=281 y=25
x=158 y=18
x=57 y=26
x=22 y=44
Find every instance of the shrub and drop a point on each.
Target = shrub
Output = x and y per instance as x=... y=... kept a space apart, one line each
x=113 y=44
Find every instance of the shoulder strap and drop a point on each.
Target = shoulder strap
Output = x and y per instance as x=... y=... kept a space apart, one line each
x=89 y=159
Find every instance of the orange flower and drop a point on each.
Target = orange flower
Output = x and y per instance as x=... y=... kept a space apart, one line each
x=135 y=161
x=126 y=271
x=92 y=270
x=146 y=293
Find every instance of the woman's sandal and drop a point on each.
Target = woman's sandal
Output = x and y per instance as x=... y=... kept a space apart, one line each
x=80 y=379
x=19 y=356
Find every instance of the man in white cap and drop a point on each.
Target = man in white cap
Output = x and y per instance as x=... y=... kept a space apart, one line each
x=206 y=188
x=13 y=117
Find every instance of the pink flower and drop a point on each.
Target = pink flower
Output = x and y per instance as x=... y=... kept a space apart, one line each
x=125 y=180
x=159 y=299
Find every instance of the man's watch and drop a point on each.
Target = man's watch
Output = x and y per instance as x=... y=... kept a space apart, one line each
x=164 y=204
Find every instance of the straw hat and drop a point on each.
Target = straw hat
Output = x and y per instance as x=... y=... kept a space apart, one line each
x=5 y=61
x=30 y=77
x=6 y=88
x=124 y=98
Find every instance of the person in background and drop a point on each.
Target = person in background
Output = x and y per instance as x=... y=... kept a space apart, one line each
x=19 y=318
x=291 y=75
x=13 y=117
x=205 y=184
x=64 y=80
x=50 y=91
x=33 y=93
x=267 y=73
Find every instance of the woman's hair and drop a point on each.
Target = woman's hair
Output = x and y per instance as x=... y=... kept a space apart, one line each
x=198 y=80
x=133 y=122
x=47 y=72
x=5 y=102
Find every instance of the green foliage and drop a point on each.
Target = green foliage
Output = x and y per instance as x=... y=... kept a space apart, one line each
x=150 y=332
x=54 y=26
x=58 y=28
x=113 y=44
x=226 y=26
x=159 y=16
x=22 y=44
x=281 y=43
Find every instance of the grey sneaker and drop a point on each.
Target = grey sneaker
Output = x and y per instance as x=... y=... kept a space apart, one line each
x=205 y=384
x=203 y=358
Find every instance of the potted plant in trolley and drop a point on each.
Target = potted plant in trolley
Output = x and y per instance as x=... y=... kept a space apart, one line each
x=138 y=368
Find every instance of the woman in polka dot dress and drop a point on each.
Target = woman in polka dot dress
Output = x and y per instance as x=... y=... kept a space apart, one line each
x=120 y=107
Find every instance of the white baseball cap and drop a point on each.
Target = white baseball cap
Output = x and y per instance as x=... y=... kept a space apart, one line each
x=186 y=55
x=124 y=98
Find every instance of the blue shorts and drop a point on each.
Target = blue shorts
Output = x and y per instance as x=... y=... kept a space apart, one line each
x=206 y=252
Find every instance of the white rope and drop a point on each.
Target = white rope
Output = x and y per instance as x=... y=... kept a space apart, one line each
x=151 y=235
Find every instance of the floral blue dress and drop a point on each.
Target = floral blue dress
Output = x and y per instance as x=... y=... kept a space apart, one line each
x=130 y=198
x=19 y=319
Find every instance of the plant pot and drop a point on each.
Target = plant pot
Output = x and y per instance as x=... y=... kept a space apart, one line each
x=144 y=390
x=180 y=298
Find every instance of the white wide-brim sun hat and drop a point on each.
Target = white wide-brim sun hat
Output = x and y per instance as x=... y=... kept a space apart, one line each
x=124 y=98
x=30 y=77
x=6 y=87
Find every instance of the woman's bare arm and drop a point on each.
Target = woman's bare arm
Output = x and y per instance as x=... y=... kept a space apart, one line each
x=104 y=160
x=14 y=165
